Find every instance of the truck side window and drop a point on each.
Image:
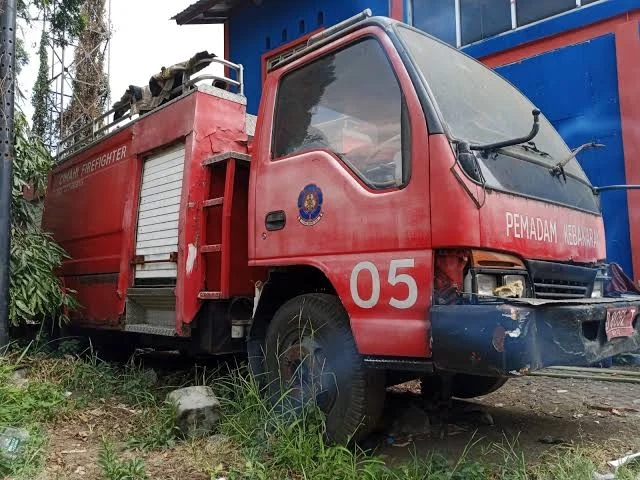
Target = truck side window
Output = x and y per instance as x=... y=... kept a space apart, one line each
x=348 y=102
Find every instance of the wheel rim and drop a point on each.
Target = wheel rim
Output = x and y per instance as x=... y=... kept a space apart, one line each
x=306 y=374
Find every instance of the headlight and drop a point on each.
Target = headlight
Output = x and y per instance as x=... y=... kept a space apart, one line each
x=486 y=284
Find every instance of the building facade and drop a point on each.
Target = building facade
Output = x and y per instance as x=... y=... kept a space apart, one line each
x=577 y=60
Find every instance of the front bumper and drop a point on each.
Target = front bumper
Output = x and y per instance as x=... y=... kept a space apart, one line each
x=521 y=335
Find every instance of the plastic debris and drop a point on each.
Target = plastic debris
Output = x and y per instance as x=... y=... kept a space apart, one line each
x=600 y=476
x=623 y=460
x=12 y=441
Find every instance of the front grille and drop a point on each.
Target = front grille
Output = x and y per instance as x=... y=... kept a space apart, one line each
x=558 y=281
x=550 y=288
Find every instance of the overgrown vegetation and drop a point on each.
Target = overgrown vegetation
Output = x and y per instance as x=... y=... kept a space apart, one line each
x=41 y=98
x=254 y=440
x=90 y=82
x=66 y=23
x=36 y=292
x=114 y=468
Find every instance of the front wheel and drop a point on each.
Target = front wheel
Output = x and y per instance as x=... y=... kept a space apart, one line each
x=311 y=358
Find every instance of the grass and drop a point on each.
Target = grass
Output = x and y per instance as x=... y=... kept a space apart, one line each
x=114 y=468
x=254 y=440
x=274 y=446
x=156 y=429
x=59 y=386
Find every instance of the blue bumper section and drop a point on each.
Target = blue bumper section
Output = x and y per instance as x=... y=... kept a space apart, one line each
x=520 y=336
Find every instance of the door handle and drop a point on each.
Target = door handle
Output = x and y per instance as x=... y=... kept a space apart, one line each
x=275 y=220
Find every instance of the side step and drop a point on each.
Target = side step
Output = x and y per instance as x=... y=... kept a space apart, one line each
x=150 y=329
x=151 y=311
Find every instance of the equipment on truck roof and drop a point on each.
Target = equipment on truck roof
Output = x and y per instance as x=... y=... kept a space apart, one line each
x=162 y=87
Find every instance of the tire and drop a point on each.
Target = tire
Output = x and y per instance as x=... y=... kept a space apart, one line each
x=311 y=358
x=462 y=386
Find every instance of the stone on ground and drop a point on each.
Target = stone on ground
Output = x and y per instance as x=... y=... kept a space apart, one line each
x=19 y=377
x=197 y=409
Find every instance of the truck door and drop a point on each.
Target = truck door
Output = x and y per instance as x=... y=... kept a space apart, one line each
x=341 y=183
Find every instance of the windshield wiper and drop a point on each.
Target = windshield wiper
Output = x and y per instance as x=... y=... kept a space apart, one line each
x=558 y=169
x=490 y=147
x=531 y=147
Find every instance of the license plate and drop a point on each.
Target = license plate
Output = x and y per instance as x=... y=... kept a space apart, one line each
x=620 y=322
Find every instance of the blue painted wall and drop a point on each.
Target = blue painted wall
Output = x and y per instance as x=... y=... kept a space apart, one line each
x=249 y=29
x=577 y=89
x=571 y=20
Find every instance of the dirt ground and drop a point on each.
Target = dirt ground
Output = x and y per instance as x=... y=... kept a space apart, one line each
x=536 y=411
x=75 y=443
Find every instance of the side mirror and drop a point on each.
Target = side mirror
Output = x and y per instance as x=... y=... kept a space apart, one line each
x=469 y=162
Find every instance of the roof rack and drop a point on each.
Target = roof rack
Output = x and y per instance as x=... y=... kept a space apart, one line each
x=105 y=124
x=339 y=26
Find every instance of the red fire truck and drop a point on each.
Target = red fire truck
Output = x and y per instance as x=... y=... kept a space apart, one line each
x=400 y=211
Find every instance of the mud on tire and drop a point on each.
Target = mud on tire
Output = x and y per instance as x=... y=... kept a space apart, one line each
x=311 y=356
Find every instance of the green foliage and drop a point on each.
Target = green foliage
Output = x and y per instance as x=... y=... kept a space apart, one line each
x=31 y=167
x=40 y=98
x=36 y=402
x=93 y=378
x=36 y=292
x=27 y=407
x=66 y=23
x=115 y=469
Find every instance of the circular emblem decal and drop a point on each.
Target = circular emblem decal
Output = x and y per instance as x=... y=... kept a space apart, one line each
x=310 y=205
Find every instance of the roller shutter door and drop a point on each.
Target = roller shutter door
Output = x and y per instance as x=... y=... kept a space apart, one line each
x=157 y=230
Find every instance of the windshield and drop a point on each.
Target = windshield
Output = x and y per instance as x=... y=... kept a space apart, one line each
x=479 y=106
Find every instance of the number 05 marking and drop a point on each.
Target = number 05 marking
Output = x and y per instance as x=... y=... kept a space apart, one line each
x=394 y=278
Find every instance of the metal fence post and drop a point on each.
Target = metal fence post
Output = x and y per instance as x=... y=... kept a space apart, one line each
x=7 y=86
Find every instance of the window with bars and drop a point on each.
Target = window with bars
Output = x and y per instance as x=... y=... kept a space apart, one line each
x=462 y=22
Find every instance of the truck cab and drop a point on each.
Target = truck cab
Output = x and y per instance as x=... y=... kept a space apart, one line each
x=385 y=174
x=400 y=212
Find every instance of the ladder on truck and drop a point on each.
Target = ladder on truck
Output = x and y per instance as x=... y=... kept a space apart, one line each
x=218 y=211
x=151 y=310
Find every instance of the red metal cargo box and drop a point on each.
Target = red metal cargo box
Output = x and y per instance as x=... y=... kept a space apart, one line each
x=157 y=207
